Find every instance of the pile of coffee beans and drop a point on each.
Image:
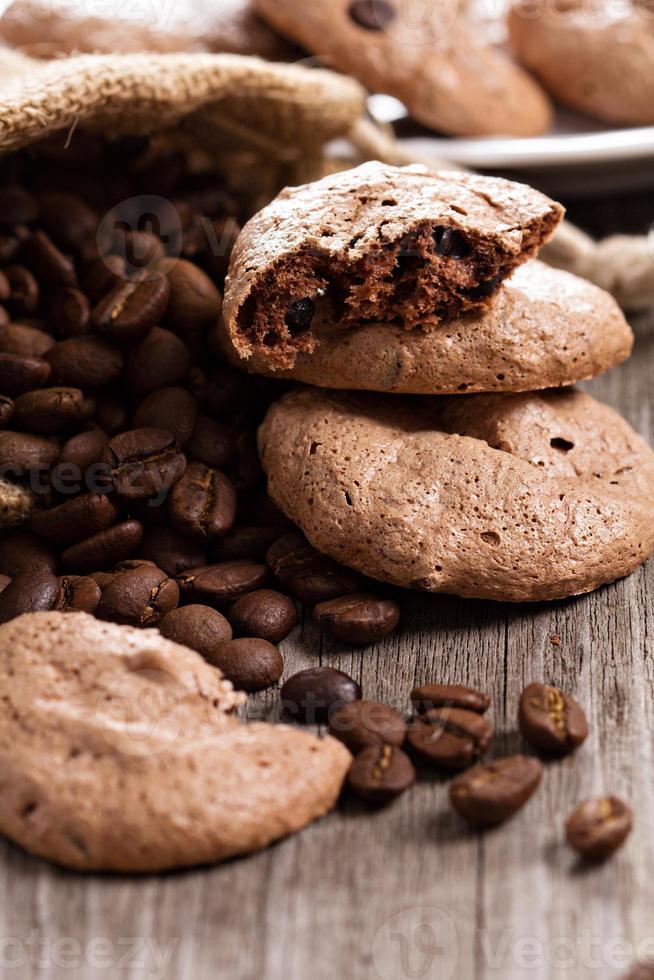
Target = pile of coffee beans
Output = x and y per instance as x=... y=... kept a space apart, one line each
x=134 y=435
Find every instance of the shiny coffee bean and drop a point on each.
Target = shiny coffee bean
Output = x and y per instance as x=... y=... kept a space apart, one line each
x=380 y=773
x=21 y=551
x=24 y=340
x=139 y=596
x=211 y=443
x=25 y=293
x=174 y=409
x=30 y=592
x=598 y=828
x=22 y=453
x=87 y=362
x=325 y=581
x=428 y=696
x=48 y=410
x=264 y=613
x=312 y=695
x=360 y=724
x=130 y=310
x=202 y=504
x=199 y=627
x=143 y=463
x=246 y=541
x=21 y=374
x=290 y=555
x=6 y=410
x=551 y=720
x=75 y=519
x=79 y=594
x=51 y=267
x=195 y=303
x=105 y=549
x=172 y=551
x=251 y=664
x=450 y=738
x=83 y=450
x=357 y=618
x=490 y=793
x=69 y=313
x=161 y=360
x=219 y=584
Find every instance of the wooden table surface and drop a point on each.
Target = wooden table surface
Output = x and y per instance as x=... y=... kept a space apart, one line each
x=408 y=893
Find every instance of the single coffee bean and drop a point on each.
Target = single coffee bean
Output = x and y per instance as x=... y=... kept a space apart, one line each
x=67 y=218
x=174 y=409
x=195 y=303
x=290 y=555
x=251 y=664
x=75 y=519
x=361 y=724
x=161 y=360
x=372 y=15
x=6 y=409
x=247 y=541
x=85 y=362
x=105 y=549
x=80 y=594
x=172 y=551
x=300 y=315
x=199 y=627
x=17 y=206
x=211 y=443
x=380 y=773
x=48 y=410
x=551 y=720
x=264 y=613
x=143 y=463
x=324 y=581
x=25 y=341
x=492 y=792
x=130 y=310
x=312 y=695
x=25 y=292
x=51 y=267
x=428 y=696
x=450 y=738
x=217 y=585
x=22 y=453
x=357 y=618
x=597 y=828
x=202 y=504
x=4 y=582
x=140 y=596
x=30 y=592
x=83 y=450
x=21 y=374
x=21 y=551
x=69 y=313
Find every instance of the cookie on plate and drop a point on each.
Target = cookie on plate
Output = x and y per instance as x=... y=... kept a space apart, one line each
x=376 y=243
x=596 y=58
x=510 y=497
x=119 y=752
x=432 y=57
x=543 y=328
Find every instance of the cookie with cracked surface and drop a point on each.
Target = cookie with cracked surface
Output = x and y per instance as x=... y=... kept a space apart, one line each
x=543 y=328
x=376 y=243
x=508 y=497
x=119 y=752
x=436 y=62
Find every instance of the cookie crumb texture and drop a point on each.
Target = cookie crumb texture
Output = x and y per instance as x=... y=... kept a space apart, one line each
x=507 y=497
x=119 y=751
x=376 y=243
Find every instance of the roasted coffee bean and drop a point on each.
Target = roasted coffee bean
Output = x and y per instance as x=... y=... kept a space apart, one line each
x=130 y=310
x=25 y=341
x=17 y=206
x=22 y=453
x=428 y=696
x=324 y=581
x=105 y=549
x=211 y=443
x=451 y=243
x=264 y=613
x=140 y=596
x=199 y=627
x=357 y=618
x=195 y=303
x=30 y=592
x=25 y=292
x=67 y=218
x=51 y=267
x=361 y=724
x=21 y=551
x=202 y=504
x=551 y=720
x=597 y=828
x=250 y=664
x=69 y=313
x=172 y=551
x=143 y=463
x=161 y=360
x=85 y=362
x=75 y=519
x=174 y=409
x=290 y=555
x=48 y=410
x=380 y=773
x=82 y=451
x=6 y=409
x=21 y=374
x=111 y=415
x=4 y=582
x=80 y=594
x=300 y=315
x=249 y=541
x=312 y=695
x=492 y=792
x=450 y=738
x=220 y=584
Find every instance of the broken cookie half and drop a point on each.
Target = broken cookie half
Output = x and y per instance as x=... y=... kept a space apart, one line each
x=377 y=243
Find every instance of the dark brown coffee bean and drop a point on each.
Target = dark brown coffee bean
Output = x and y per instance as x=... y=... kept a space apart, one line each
x=30 y=592
x=360 y=724
x=220 y=584
x=51 y=267
x=83 y=450
x=21 y=374
x=85 y=362
x=450 y=738
x=129 y=311
x=598 y=828
x=250 y=664
x=25 y=292
x=174 y=409
x=195 y=303
x=264 y=613
x=80 y=594
x=161 y=360
x=75 y=519
x=428 y=696
x=357 y=618
x=199 y=627
x=140 y=596
x=380 y=773
x=4 y=582
x=69 y=313
x=202 y=504
x=6 y=409
x=291 y=555
x=551 y=720
x=492 y=792
x=17 y=206
x=25 y=341
x=312 y=695
x=48 y=410
x=324 y=581
x=67 y=218
x=250 y=541
x=143 y=463
x=21 y=551
x=211 y=443
x=22 y=453
x=105 y=549
x=172 y=551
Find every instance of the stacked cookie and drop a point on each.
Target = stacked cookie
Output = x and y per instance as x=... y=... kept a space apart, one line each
x=404 y=282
